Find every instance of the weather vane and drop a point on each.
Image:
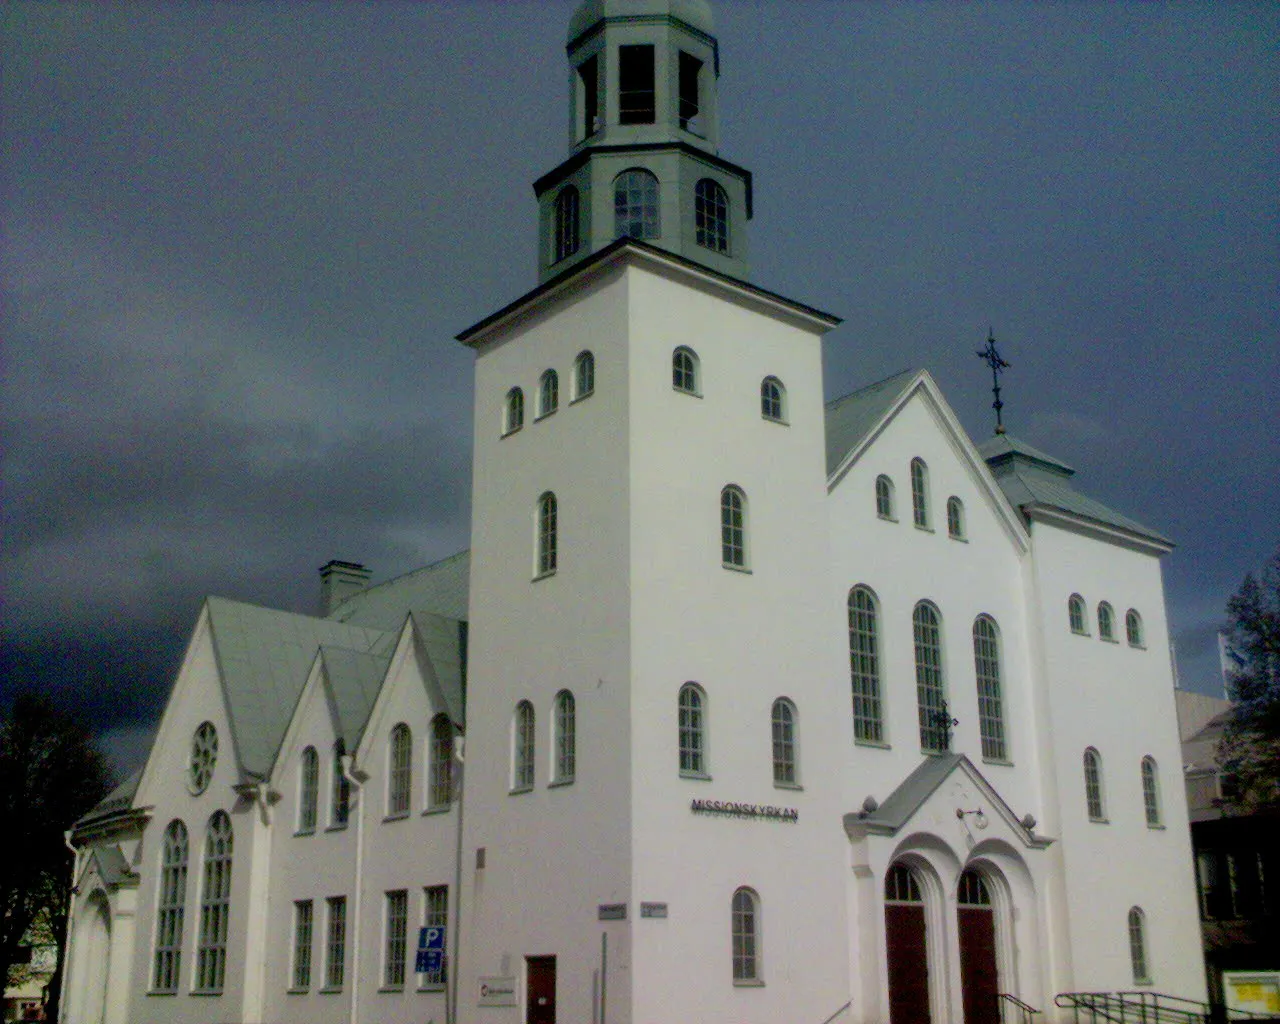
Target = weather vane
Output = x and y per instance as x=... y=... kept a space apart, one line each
x=992 y=358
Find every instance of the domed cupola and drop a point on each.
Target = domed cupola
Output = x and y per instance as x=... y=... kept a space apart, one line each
x=643 y=141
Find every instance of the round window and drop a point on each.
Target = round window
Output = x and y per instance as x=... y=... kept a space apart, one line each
x=204 y=755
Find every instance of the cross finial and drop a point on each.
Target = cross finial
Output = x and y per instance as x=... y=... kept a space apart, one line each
x=991 y=357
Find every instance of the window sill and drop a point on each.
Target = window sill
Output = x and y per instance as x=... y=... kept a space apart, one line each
x=686 y=392
x=304 y=832
x=397 y=816
x=205 y=993
x=163 y=992
x=695 y=776
x=327 y=991
x=519 y=789
x=736 y=568
x=560 y=783
x=1080 y=632
x=1002 y=762
x=1138 y=647
x=1108 y=640
x=795 y=786
x=1155 y=826
x=297 y=991
x=924 y=528
x=437 y=809
x=747 y=983
x=580 y=398
x=887 y=519
x=543 y=416
x=775 y=420
x=1099 y=821
x=336 y=828
x=543 y=575
x=513 y=430
x=874 y=744
x=431 y=987
x=391 y=988
x=962 y=540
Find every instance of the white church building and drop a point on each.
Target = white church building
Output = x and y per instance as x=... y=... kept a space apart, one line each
x=741 y=707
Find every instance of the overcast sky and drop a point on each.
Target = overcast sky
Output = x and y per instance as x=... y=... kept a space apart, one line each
x=239 y=240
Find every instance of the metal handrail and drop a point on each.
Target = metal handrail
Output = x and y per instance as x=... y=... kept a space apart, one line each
x=1025 y=1009
x=838 y=1012
x=1141 y=1007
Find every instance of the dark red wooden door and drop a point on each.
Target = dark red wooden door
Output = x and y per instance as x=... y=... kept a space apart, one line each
x=541 y=992
x=908 y=963
x=979 y=978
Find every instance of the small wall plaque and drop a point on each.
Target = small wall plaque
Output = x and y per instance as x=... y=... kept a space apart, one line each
x=613 y=911
x=653 y=910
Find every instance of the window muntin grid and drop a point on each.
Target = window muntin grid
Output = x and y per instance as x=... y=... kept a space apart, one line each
x=986 y=664
x=171 y=908
x=308 y=789
x=636 y=213
x=340 y=797
x=303 y=921
x=1150 y=791
x=972 y=891
x=204 y=758
x=335 y=946
x=1093 y=786
x=772 y=394
x=955 y=518
x=547 y=523
x=215 y=905
x=566 y=739
x=711 y=215
x=884 y=497
x=1106 y=622
x=1075 y=615
x=400 y=770
x=692 y=735
x=440 y=766
x=566 y=219
x=746 y=935
x=930 y=694
x=584 y=375
x=1138 y=946
x=901 y=885
x=513 y=411
x=920 y=493
x=784 y=742
x=523 y=749
x=397 y=943
x=435 y=914
x=548 y=393
x=733 y=527
x=1133 y=628
x=864 y=666
x=684 y=370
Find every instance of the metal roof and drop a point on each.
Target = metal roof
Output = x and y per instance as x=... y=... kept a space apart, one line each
x=445 y=643
x=354 y=679
x=118 y=801
x=851 y=418
x=442 y=587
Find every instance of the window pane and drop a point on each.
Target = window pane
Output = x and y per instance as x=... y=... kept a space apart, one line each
x=436 y=915
x=935 y=722
x=986 y=660
x=566 y=211
x=733 y=541
x=692 y=752
x=864 y=666
x=919 y=493
x=215 y=905
x=566 y=738
x=170 y=909
x=635 y=205
x=302 y=926
x=401 y=780
x=440 y=789
x=711 y=215
x=746 y=965
x=784 y=742
x=336 y=944
x=397 y=914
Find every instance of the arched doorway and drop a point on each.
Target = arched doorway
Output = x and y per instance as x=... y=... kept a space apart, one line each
x=89 y=968
x=979 y=970
x=906 y=947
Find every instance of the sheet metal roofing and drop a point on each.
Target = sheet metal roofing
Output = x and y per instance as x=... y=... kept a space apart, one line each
x=118 y=801
x=851 y=418
x=354 y=679
x=444 y=640
x=442 y=588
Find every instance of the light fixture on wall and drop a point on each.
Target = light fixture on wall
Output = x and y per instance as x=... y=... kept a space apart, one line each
x=979 y=818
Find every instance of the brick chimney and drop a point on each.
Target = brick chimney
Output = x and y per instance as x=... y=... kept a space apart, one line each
x=339 y=581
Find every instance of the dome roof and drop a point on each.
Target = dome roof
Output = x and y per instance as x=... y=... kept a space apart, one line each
x=696 y=12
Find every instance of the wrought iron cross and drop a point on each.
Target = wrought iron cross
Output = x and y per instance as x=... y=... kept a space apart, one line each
x=991 y=357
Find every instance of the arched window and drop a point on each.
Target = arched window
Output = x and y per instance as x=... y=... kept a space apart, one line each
x=1133 y=628
x=772 y=400
x=986 y=663
x=1106 y=622
x=340 y=809
x=935 y=720
x=308 y=789
x=684 y=370
x=584 y=375
x=733 y=527
x=1093 y=786
x=1150 y=791
x=884 y=497
x=215 y=905
x=955 y=518
x=566 y=213
x=864 y=666
x=548 y=393
x=901 y=885
x=1075 y=615
x=171 y=904
x=693 y=740
x=566 y=737
x=920 y=493
x=784 y=743
x=547 y=513
x=635 y=205
x=972 y=891
x=711 y=215
x=440 y=765
x=522 y=748
x=513 y=411
x=746 y=936
x=1138 y=946
x=399 y=769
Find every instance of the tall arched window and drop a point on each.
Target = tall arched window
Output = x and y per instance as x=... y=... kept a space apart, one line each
x=171 y=902
x=523 y=748
x=884 y=497
x=864 y=666
x=773 y=400
x=733 y=527
x=986 y=663
x=399 y=769
x=1138 y=946
x=584 y=375
x=711 y=215
x=566 y=737
x=547 y=526
x=513 y=411
x=1093 y=797
x=935 y=721
x=308 y=789
x=684 y=370
x=635 y=205
x=440 y=765
x=784 y=743
x=955 y=518
x=548 y=393
x=215 y=905
x=1133 y=628
x=1150 y=792
x=340 y=809
x=746 y=936
x=1075 y=614
x=920 y=493
x=566 y=215
x=692 y=723
x=1106 y=622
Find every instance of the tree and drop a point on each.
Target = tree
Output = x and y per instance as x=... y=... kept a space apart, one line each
x=51 y=773
x=1250 y=751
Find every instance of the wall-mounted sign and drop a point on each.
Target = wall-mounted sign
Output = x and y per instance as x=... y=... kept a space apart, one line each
x=612 y=911
x=497 y=992
x=653 y=910
x=729 y=809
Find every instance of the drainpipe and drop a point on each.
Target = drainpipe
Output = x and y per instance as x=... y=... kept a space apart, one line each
x=451 y=1008
x=356 y=781
x=71 y=924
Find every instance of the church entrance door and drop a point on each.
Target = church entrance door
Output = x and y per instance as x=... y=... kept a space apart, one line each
x=979 y=972
x=906 y=947
x=540 y=1004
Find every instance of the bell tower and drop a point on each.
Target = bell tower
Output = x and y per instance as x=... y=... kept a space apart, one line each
x=643 y=141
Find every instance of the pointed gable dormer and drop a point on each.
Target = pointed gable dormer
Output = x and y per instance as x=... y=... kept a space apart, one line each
x=643 y=141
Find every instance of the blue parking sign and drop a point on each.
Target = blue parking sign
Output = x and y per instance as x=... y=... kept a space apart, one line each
x=430 y=938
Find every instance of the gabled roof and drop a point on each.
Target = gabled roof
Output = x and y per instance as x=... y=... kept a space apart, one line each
x=850 y=419
x=1034 y=481
x=444 y=640
x=112 y=867
x=353 y=680
x=119 y=801
x=442 y=587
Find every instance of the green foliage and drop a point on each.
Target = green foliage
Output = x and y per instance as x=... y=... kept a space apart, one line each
x=1250 y=751
x=50 y=774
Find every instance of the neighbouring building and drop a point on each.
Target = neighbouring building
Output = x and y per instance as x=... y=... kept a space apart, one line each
x=773 y=710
